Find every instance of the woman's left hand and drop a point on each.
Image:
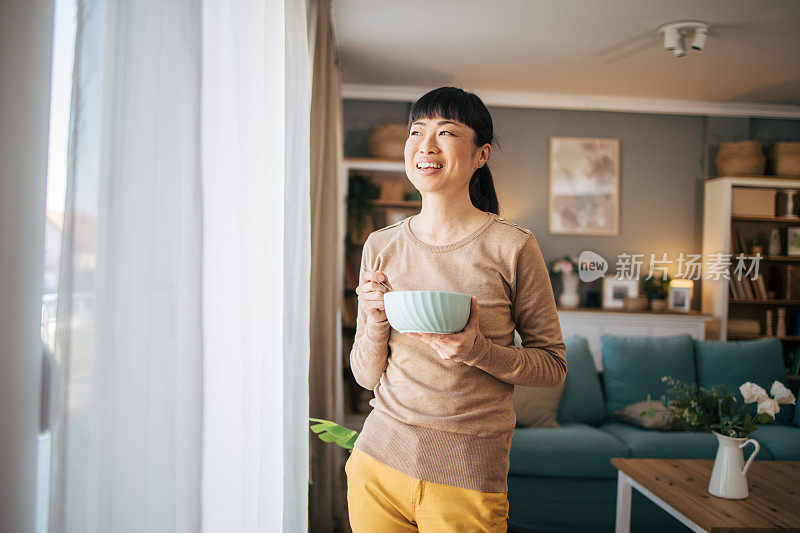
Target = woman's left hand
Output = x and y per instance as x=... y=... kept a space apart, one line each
x=454 y=346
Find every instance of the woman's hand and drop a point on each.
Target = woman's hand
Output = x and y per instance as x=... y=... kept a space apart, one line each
x=454 y=346
x=370 y=295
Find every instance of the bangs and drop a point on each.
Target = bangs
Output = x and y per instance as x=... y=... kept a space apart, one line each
x=449 y=103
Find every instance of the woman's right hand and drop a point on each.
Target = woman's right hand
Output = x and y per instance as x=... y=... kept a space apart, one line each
x=370 y=295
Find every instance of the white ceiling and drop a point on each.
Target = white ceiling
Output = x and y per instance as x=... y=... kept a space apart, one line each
x=576 y=47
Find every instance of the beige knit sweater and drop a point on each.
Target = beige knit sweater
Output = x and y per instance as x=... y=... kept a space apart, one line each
x=448 y=421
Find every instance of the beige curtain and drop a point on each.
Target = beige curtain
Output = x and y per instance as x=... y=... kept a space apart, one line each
x=326 y=501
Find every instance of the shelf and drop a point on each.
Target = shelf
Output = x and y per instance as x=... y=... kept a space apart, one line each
x=777 y=182
x=767 y=220
x=772 y=301
x=744 y=336
x=375 y=164
x=411 y=204
x=785 y=258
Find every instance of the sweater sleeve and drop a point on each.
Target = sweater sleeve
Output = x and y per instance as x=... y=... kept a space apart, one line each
x=541 y=361
x=369 y=356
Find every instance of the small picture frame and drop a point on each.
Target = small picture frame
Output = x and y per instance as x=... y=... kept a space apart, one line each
x=680 y=299
x=793 y=240
x=615 y=290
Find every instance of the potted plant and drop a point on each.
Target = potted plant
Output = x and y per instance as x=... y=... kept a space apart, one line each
x=656 y=290
x=729 y=419
x=566 y=269
x=755 y=246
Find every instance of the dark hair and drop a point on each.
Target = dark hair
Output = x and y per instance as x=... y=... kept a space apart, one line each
x=457 y=104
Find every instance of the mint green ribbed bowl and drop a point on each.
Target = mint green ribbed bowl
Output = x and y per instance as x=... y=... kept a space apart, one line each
x=427 y=311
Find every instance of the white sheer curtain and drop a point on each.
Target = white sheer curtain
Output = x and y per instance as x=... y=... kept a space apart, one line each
x=182 y=330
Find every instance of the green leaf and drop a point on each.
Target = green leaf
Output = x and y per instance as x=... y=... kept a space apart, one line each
x=763 y=418
x=329 y=431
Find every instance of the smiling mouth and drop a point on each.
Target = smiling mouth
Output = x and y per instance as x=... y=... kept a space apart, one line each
x=429 y=166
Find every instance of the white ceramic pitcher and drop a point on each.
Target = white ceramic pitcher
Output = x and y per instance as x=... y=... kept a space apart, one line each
x=729 y=477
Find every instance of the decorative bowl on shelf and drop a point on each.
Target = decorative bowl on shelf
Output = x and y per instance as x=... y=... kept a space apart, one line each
x=427 y=311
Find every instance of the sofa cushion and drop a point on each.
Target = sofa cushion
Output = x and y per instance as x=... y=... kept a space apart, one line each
x=782 y=442
x=582 y=400
x=667 y=445
x=633 y=367
x=732 y=363
x=537 y=406
x=663 y=419
x=573 y=450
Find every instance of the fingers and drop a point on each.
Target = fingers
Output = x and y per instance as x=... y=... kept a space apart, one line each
x=371 y=287
x=374 y=276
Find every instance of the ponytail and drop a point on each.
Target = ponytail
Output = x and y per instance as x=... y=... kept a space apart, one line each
x=481 y=191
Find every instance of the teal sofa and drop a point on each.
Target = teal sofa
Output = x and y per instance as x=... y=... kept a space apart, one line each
x=561 y=479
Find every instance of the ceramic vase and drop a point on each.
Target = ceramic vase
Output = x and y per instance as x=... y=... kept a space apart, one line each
x=729 y=476
x=569 y=291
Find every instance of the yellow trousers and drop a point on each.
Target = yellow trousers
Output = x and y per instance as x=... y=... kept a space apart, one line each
x=384 y=500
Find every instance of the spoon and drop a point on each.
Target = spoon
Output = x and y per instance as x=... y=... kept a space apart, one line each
x=382 y=283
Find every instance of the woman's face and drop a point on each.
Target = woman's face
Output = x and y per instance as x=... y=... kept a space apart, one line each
x=450 y=147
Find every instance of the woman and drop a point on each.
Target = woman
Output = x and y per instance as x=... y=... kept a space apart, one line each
x=434 y=452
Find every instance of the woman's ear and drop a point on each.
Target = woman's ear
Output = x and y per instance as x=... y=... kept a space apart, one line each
x=486 y=149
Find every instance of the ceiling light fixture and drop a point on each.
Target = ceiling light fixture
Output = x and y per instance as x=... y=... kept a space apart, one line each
x=680 y=49
x=675 y=36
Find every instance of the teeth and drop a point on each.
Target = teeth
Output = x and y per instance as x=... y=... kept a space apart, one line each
x=429 y=165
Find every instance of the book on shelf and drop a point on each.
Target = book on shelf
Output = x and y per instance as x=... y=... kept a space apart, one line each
x=756 y=289
x=792 y=282
x=762 y=287
x=747 y=289
x=740 y=241
x=795 y=330
x=732 y=287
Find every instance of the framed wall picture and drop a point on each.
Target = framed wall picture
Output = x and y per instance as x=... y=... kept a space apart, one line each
x=680 y=299
x=583 y=186
x=793 y=240
x=615 y=290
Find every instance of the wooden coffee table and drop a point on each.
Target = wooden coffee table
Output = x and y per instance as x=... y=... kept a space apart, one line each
x=680 y=487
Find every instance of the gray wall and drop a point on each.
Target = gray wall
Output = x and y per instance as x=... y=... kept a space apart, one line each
x=664 y=160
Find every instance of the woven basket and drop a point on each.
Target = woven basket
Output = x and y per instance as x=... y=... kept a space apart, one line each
x=740 y=165
x=786 y=148
x=788 y=165
x=747 y=326
x=388 y=141
x=740 y=148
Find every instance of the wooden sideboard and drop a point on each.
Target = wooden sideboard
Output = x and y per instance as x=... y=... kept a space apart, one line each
x=592 y=323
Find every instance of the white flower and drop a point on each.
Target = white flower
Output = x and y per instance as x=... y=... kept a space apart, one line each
x=769 y=406
x=781 y=393
x=753 y=393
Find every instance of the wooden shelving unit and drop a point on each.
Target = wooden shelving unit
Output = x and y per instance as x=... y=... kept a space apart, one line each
x=720 y=229
x=380 y=171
